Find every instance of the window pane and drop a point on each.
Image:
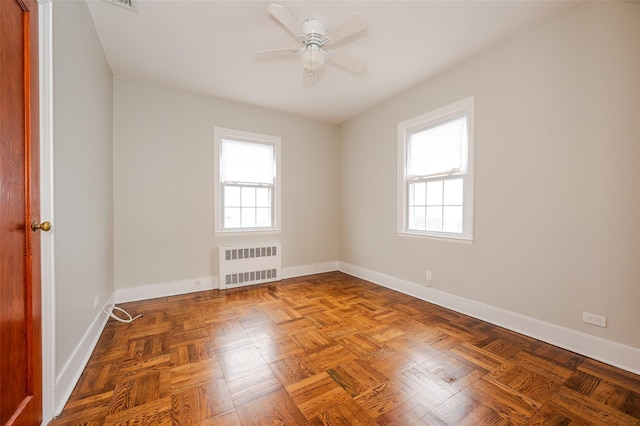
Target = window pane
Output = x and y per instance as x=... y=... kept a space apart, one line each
x=243 y=213
x=434 y=219
x=263 y=217
x=434 y=193
x=417 y=218
x=246 y=162
x=438 y=149
x=248 y=197
x=452 y=221
x=232 y=196
x=417 y=193
x=248 y=217
x=453 y=192
x=232 y=218
x=263 y=197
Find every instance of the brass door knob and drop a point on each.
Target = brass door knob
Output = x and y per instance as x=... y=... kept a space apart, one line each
x=45 y=226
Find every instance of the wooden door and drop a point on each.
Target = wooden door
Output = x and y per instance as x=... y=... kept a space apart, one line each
x=20 y=313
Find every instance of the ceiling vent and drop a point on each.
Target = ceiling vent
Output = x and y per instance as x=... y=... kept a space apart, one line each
x=127 y=4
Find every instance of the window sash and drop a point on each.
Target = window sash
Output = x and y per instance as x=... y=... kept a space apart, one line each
x=250 y=208
x=443 y=213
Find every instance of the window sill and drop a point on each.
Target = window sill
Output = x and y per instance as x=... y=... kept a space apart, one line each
x=463 y=240
x=246 y=233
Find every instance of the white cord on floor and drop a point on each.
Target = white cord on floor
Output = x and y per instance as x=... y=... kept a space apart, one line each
x=117 y=318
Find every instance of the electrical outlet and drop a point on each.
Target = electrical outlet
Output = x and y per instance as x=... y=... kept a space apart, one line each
x=594 y=319
x=429 y=278
x=96 y=300
x=198 y=282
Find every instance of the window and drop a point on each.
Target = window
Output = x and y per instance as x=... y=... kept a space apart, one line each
x=247 y=187
x=435 y=173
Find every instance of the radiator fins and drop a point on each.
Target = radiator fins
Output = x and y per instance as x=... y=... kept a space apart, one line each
x=240 y=266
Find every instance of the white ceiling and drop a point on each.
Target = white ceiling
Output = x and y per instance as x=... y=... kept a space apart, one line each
x=206 y=47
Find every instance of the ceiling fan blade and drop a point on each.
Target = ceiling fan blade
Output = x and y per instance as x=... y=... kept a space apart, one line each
x=286 y=19
x=276 y=53
x=355 y=65
x=352 y=25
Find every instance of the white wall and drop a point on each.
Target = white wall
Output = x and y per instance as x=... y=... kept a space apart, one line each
x=163 y=162
x=83 y=179
x=557 y=179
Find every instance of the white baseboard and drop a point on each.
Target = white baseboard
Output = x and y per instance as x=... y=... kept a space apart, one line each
x=316 y=268
x=72 y=370
x=607 y=351
x=152 y=291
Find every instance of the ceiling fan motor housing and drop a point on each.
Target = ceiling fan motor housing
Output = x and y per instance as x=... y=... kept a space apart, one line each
x=313 y=27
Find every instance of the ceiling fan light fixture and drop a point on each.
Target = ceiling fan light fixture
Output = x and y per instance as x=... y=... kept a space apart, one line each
x=313 y=59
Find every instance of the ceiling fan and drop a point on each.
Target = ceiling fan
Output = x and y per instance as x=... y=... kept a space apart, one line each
x=314 y=37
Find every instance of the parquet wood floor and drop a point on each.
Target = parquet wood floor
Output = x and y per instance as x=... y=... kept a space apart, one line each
x=336 y=350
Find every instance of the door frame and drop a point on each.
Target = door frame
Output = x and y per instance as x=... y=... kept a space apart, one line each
x=45 y=24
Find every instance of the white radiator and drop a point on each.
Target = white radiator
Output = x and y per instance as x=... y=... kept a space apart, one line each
x=240 y=266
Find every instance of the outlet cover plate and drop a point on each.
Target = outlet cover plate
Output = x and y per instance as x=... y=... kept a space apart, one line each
x=594 y=319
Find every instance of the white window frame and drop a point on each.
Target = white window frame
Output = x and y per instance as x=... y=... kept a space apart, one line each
x=220 y=133
x=461 y=108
